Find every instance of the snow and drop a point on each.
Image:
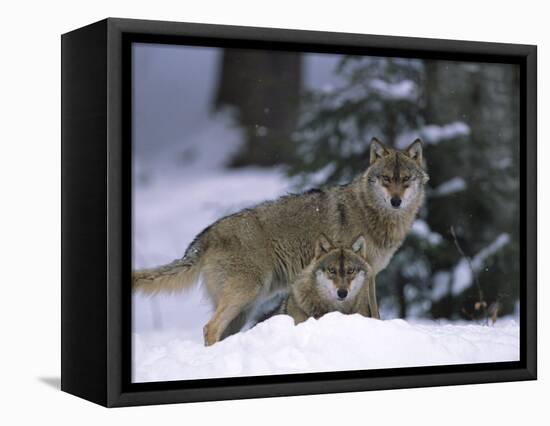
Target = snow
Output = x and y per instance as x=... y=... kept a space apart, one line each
x=404 y=89
x=335 y=342
x=462 y=277
x=451 y=186
x=317 y=178
x=491 y=249
x=433 y=134
x=462 y=273
x=441 y=281
x=421 y=229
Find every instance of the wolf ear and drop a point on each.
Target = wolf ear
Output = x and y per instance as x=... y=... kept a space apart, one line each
x=360 y=247
x=377 y=150
x=414 y=151
x=322 y=246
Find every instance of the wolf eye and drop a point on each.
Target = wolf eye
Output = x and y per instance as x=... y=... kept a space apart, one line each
x=386 y=179
x=351 y=271
x=331 y=270
x=406 y=178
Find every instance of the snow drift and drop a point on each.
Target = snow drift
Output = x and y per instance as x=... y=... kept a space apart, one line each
x=335 y=342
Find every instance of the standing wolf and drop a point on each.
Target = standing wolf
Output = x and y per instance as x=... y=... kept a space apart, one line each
x=254 y=254
x=335 y=280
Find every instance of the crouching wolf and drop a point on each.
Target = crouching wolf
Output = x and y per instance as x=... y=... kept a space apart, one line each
x=336 y=280
x=250 y=256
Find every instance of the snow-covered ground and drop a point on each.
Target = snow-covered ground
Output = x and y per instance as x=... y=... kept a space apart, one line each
x=334 y=342
x=181 y=186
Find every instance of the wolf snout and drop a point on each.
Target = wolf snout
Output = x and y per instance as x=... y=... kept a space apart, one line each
x=395 y=202
x=342 y=293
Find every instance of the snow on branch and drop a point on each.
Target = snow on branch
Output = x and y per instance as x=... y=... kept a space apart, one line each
x=402 y=90
x=451 y=186
x=465 y=271
x=421 y=229
x=433 y=134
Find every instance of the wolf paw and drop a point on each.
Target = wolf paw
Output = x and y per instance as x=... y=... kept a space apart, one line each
x=209 y=335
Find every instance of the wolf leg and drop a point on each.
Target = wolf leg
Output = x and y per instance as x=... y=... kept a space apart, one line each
x=373 y=304
x=230 y=305
x=293 y=310
x=362 y=304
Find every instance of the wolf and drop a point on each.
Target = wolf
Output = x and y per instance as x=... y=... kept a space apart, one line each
x=335 y=280
x=246 y=258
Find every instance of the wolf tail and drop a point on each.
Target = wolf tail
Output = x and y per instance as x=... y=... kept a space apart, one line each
x=178 y=275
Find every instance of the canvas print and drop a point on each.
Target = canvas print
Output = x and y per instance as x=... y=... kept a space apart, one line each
x=298 y=212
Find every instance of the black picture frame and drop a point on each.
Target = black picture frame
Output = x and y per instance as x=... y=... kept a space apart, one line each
x=96 y=225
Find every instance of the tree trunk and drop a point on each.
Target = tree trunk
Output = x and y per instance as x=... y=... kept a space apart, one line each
x=264 y=89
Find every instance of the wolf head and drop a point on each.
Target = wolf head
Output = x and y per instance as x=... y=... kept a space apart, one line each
x=396 y=179
x=340 y=272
